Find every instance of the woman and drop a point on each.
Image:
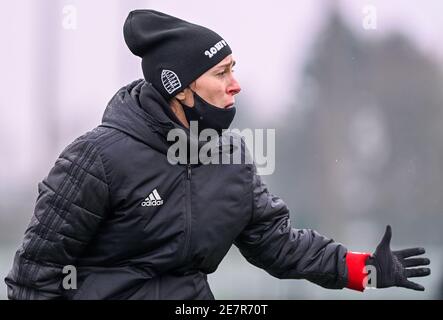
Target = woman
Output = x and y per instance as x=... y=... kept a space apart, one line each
x=135 y=225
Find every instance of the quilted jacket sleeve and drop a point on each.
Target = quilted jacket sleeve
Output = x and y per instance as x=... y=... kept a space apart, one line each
x=72 y=202
x=269 y=242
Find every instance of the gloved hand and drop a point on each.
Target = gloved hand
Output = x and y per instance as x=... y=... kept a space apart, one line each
x=391 y=266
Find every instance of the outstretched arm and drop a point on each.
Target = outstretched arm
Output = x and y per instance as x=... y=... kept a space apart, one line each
x=269 y=242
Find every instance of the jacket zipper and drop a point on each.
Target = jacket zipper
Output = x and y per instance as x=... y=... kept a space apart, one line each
x=188 y=214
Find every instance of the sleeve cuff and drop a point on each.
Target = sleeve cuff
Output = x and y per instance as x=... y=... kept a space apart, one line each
x=356 y=262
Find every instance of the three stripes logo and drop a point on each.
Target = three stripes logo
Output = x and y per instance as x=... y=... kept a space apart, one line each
x=170 y=81
x=152 y=200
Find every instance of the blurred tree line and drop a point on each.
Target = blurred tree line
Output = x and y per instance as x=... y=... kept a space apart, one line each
x=366 y=141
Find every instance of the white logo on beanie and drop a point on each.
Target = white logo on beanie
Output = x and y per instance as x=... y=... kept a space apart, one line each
x=170 y=81
x=216 y=48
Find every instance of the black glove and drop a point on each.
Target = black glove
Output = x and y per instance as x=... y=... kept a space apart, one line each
x=391 y=265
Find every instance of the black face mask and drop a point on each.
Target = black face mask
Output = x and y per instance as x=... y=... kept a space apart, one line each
x=207 y=115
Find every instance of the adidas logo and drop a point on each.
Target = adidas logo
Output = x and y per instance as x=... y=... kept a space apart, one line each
x=152 y=200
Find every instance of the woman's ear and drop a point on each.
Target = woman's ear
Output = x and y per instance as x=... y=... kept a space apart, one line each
x=185 y=94
x=186 y=97
x=181 y=95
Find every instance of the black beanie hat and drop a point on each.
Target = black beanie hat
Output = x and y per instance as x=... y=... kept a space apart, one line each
x=174 y=52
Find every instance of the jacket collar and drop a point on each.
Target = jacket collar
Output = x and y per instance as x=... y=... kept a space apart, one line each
x=140 y=111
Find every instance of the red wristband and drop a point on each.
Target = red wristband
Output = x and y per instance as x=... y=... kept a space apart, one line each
x=355 y=261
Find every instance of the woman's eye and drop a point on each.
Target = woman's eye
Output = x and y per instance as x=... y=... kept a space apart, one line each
x=224 y=72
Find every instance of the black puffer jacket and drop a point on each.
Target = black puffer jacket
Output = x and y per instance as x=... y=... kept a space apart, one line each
x=90 y=214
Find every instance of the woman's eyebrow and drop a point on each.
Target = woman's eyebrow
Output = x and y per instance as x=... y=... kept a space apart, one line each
x=226 y=64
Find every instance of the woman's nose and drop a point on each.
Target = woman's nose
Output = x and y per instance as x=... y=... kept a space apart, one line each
x=234 y=87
